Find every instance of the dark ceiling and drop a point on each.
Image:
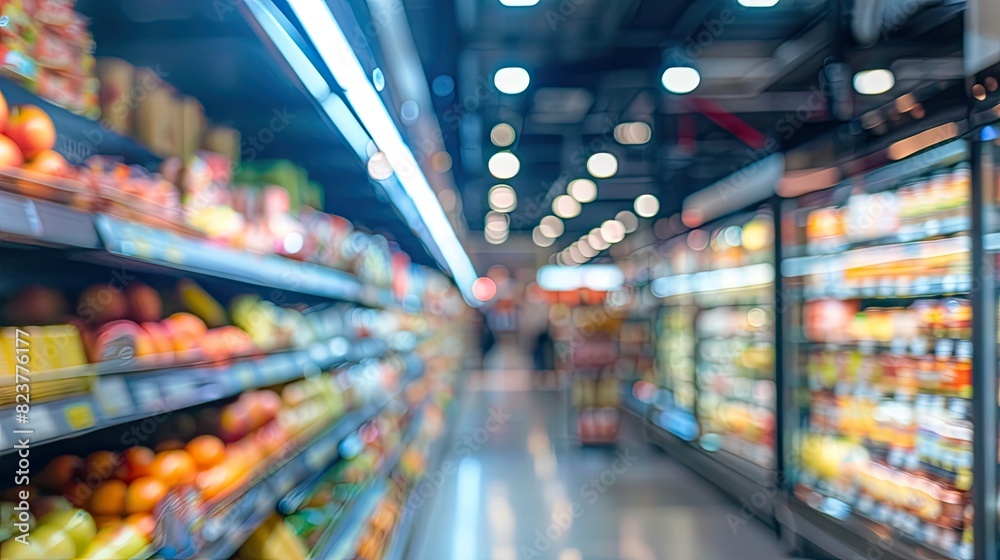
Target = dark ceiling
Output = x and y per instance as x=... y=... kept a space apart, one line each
x=594 y=64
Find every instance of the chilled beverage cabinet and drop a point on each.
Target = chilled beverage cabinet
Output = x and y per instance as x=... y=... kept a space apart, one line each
x=877 y=276
x=716 y=350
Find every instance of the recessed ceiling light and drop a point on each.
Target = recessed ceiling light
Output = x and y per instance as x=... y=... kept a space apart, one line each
x=504 y=165
x=379 y=167
x=633 y=133
x=575 y=255
x=518 y=3
x=565 y=206
x=681 y=79
x=512 y=80
x=378 y=79
x=612 y=231
x=441 y=162
x=583 y=190
x=497 y=221
x=540 y=238
x=647 y=205
x=585 y=249
x=629 y=220
x=874 y=82
x=409 y=111
x=602 y=165
x=758 y=3
x=484 y=288
x=502 y=198
x=596 y=241
x=502 y=135
x=551 y=227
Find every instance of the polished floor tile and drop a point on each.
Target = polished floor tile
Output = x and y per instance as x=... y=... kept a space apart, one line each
x=515 y=485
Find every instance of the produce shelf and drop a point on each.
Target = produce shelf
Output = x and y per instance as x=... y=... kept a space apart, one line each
x=80 y=137
x=340 y=538
x=121 y=398
x=224 y=525
x=38 y=222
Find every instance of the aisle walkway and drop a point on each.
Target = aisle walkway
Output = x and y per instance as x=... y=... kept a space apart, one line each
x=521 y=488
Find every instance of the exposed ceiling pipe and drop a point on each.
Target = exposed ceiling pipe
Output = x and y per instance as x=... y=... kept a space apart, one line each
x=874 y=19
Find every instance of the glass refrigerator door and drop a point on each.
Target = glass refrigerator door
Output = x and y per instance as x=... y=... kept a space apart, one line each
x=878 y=270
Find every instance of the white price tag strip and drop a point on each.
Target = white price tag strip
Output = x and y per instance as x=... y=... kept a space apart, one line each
x=43 y=422
x=113 y=396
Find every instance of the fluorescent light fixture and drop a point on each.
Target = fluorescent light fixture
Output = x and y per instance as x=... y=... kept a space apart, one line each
x=714 y=280
x=647 y=205
x=338 y=54
x=504 y=165
x=502 y=198
x=597 y=277
x=633 y=133
x=758 y=3
x=874 y=82
x=629 y=220
x=518 y=3
x=583 y=190
x=565 y=206
x=602 y=165
x=512 y=80
x=612 y=231
x=540 y=238
x=551 y=227
x=681 y=79
x=502 y=135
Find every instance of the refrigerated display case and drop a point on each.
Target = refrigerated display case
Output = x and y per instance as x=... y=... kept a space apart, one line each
x=715 y=351
x=876 y=278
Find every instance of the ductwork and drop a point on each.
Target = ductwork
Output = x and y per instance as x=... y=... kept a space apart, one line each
x=873 y=19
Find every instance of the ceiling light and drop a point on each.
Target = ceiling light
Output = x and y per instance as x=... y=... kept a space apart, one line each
x=757 y=3
x=585 y=248
x=518 y=3
x=565 y=206
x=409 y=111
x=484 y=288
x=595 y=240
x=873 y=82
x=379 y=168
x=416 y=200
x=633 y=133
x=441 y=162
x=511 y=80
x=647 y=205
x=502 y=198
x=551 y=227
x=540 y=238
x=602 y=165
x=575 y=255
x=504 y=165
x=497 y=221
x=612 y=231
x=629 y=220
x=681 y=79
x=583 y=190
x=502 y=135
x=496 y=239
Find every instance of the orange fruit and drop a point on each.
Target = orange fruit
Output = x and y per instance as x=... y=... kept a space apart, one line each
x=136 y=461
x=207 y=451
x=31 y=129
x=174 y=467
x=217 y=479
x=100 y=466
x=108 y=498
x=144 y=523
x=102 y=521
x=143 y=494
x=48 y=162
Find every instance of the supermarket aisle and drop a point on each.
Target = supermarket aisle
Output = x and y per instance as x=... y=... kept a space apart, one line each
x=513 y=485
